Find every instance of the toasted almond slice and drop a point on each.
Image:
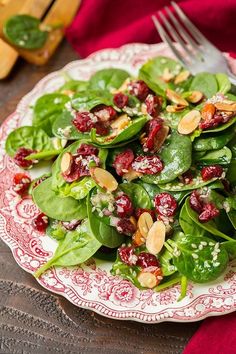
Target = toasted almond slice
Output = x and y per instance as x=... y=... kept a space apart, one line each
x=104 y=179
x=131 y=175
x=161 y=137
x=175 y=108
x=156 y=237
x=195 y=97
x=145 y=222
x=221 y=106
x=133 y=221
x=208 y=111
x=137 y=238
x=182 y=76
x=167 y=75
x=144 y=108
x=66 y=162
x=120 y=123
x=175 y=98
x=189 y=122
x=69 y=93
x=147 y=280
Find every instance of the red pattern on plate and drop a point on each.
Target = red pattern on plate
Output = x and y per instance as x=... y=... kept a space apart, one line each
x=90 y=285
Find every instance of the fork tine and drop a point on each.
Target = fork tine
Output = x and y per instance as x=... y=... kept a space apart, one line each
x=175 y=35
x=182 y=31
x=197 y=35
x=165 y=37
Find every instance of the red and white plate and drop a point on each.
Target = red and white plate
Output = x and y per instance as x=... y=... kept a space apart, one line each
x=91 y=285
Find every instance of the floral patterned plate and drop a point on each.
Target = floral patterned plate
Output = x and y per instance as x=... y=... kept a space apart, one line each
x=91 y=285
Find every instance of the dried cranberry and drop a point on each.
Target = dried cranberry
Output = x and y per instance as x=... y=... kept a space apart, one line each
x=71 y=225
x=104 y=113
x=165 y=204
x=152 y=128
x=210 y=172
x=101 y=129
x=149 y=165
x=21 y=183
x=140 y=211
x=147 y=260
x=86 y=149
x=187 y=177
x=120 y=100
x=195 y=202
x=153 y=105
x=138 y=89
x=126 y=227
x=123 y=161
x=127 y=255
x=80 y=167
x=217 y=119
x=40 y=223
x=20 y=156
x=208 y=213
x=124 y=206
x=84 y=121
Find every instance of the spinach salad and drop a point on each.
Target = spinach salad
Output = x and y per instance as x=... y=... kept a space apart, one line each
x=143 y=173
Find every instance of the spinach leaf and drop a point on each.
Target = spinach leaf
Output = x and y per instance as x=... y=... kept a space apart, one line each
x=77 y=189
x=74 y=85
x=64 y=128
x=230 y=247
x=213 y=141
x=194 y=258
x=176 y=157
x=152 y=71
x=108 y=79
x=127 y=133
x=188 y=226
x=177 y=186
x=224 y=85
x=24 y=32
x=46 y=110
x=86 y=100
x=220 y=157
x=28 y=137
x=107 y=235
x=137 y=194
x=56 y=230
x=166 y=256
x=75 y=248
x=65 y=209
x=209 y=226
x=44 y=155
x=231 y=172
x=206 y=83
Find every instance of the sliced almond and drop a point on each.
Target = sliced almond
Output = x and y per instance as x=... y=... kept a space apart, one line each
x=137 y=238
x=68 y=92
x=120 y=123
x=189 y=122
x=175 y=98
x=221 y=106
x=156 y=237
x=175 y=108
x=145 y=222
x=131 y=175
x=161 y=137
x=66 y=162
x=133 y=221
x=104 y=179
x=167 y=75
x=147 y=280
x=182 y=76
x=195 y=97
x=144 y=108
x=208 y=111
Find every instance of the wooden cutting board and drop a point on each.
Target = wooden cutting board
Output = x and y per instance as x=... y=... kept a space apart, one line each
x=59 y=13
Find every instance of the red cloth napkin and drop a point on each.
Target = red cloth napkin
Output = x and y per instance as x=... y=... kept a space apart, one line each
x=111 y=23
x=216 y=335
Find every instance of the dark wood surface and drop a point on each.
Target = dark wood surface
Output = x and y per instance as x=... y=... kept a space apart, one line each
x=33 y=320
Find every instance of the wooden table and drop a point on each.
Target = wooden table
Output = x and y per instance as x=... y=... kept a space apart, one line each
x=33 y=320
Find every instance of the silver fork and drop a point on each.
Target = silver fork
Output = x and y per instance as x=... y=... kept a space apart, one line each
x=194 y=51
